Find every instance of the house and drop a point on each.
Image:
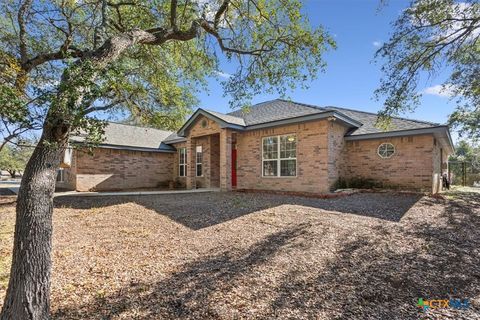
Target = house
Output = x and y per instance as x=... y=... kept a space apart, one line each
x=275 y=145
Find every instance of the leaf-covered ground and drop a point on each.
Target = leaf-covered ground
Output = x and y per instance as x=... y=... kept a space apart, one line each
x=258 y=256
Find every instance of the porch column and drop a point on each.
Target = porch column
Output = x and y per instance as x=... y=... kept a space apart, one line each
x=190 y=147
x=225 y=159
x=207 y=162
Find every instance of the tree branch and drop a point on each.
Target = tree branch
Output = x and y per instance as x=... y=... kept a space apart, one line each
x=173 y=14
x=209 y=29
x=45 y=57
x=119 y=4
x=22 y=12
x=220 y=12
x=104 y=107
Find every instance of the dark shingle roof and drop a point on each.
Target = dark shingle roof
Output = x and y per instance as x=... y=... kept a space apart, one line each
x=272 y=111
x=141 y=138
x=124 y=136
x=369 y=120
x=283 y=109
x=230 y=118
x=173 y=137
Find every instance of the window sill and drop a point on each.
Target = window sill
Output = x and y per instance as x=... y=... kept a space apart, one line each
x=277 y=177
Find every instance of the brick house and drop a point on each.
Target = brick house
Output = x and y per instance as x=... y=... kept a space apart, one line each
x=275 y=145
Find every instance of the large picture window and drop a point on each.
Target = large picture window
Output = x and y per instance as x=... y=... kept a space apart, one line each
x=199 y=161
x=182 y=162
x=279 y=156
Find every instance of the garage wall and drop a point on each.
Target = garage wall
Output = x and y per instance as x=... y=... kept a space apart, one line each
x=410 y=167
x=110 y=169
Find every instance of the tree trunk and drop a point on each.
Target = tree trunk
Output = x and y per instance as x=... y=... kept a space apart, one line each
x=28 y=293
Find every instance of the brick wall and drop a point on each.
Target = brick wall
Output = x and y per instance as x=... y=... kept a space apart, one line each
x=109 y=169
x=203 y=126
x=201 y=132
x=410 y=167
x=211 y=162
x=312 y=159
x=440 y=166
x=323 y=156
x=336 y=152
x=215 y=161
x=181 y=181
x=202 y=181
x=226 y=144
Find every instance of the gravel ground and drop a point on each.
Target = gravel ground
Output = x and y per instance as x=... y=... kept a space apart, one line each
x=260 y=256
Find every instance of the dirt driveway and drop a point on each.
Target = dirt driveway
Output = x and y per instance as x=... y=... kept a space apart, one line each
x=259 y=256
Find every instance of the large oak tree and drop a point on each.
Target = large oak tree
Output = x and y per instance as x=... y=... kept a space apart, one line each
x=68 y=60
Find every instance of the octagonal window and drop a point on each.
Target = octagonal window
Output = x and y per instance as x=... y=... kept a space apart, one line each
x=386 y=150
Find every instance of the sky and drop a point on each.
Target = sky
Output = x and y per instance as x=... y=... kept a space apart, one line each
x=351 y=76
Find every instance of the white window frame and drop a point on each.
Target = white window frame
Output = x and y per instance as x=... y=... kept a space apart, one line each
x=279 y=159
x=184 y=164
x=198 y=150
x=386 y=143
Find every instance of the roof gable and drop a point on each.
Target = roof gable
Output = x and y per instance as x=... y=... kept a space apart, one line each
x=223 y=120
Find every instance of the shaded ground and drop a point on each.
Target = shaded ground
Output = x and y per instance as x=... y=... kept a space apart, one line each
x=231 y=255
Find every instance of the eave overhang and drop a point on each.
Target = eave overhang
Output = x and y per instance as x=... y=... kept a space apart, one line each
x=164 y=148
x=442 y=133
x=311 y=117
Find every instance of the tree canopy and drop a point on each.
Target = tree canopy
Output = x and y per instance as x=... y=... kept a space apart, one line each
x=68 y=61
x=177 y=47
x=14 y=158
x=431 y=37
x=466 y=151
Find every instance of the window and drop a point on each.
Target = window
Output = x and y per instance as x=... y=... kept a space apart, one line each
x=182 y=162
x=386 y=150
x=279 y=156
x=60 y=175
x=199 y=157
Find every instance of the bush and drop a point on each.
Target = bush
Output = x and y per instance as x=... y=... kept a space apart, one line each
x=358 y=183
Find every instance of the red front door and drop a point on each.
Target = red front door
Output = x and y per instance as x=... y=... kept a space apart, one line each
x=234 y=168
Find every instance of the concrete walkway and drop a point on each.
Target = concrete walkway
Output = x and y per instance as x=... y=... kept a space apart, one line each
x=131 y=193
x=15 y=185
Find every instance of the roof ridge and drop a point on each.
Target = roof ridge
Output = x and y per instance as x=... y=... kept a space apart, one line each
x=361 y=111
x=225 y=114
x=254 y=105
x=304 y=104
x=209 y=110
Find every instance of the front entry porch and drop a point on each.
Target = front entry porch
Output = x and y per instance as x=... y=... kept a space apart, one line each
x=211 y=160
